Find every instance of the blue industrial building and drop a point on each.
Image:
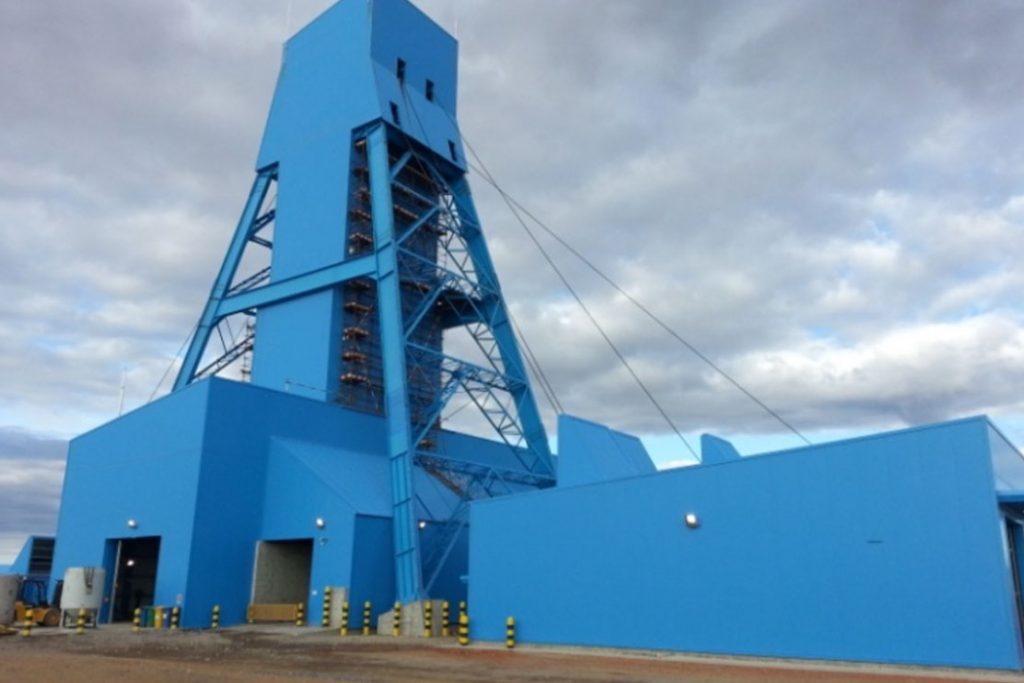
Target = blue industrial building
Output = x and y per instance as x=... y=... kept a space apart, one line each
x=359 y=299
x=899 y=547
x=330 y=465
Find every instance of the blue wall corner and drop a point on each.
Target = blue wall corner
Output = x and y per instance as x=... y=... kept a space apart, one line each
x=715 y=450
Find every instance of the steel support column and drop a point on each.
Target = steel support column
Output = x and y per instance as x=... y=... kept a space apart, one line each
x=501 y=328
x=408 y=576
x=209 y=318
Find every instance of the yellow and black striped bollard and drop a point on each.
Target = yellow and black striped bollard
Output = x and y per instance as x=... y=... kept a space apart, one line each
x=325 y=616
x=300 y=614
x=510 y=632
x=445 y=618
x=26 y=627
x=175 y=617
x=80 y=622
x=463 y=628
x=367 y=611
x=137 y=620
x=343 y=630
x=396 y=621
x=215 y=617
x=428 y=619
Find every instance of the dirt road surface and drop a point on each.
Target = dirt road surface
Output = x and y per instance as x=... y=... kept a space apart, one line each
x=278 y=655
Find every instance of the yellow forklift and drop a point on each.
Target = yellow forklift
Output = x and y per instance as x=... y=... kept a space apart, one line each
x=32 y=596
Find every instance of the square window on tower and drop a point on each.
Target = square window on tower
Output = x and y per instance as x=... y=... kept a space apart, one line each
x=430 y=90
x=394 y=115
x=400 y=70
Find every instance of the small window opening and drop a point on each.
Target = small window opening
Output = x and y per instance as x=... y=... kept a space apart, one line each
x=430 y=90
x=394 y=114
x=451 y=151
x=400 y=70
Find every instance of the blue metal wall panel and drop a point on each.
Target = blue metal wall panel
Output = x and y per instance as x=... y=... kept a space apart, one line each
x=144 y=465
x=373 y=571
x=228 y=504
x=325 y=84
x=295 y=495
x=325 y=89
x=450 y=584
x=373 y=567
x=434 y=54
x=294 y=344
x=312 y=206
x=420 y=119
x=250 y=493
x=884 y=549
x=714 y=450
x=358 y=479
x=589 y=452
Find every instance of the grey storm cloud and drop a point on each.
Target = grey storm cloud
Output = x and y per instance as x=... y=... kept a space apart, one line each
x=823 y=197
x=31 y=474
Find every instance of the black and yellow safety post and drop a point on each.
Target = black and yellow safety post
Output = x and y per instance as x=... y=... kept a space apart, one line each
x=300 y=614
x=428 y=619
x=26 y=626
x=462 y=608
x=445 y=619
x=463 y=628
x=215 y=617
x=137 y=620
x=367 y=612
x=80 y=622
x=175 y=617
x=343 y=629
x=396 y=620
x=510 y=632
x=325 y=617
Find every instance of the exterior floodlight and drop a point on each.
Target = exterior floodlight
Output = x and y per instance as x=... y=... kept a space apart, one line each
x=132 y=524
x=691 y=520
x=320 y=523
x=130 y=563
x=423 y=524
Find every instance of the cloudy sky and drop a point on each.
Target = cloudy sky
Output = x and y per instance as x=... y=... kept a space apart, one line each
x=826 y=198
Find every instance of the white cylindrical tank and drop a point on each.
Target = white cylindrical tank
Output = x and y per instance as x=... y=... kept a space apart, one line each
x=83 y=588
x=8 y=596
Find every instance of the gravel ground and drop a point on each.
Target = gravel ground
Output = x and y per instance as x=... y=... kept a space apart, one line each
x=271 y=655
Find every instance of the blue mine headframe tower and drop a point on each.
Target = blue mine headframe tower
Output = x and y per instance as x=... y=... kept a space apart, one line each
x=359 y=300
x=377 y=258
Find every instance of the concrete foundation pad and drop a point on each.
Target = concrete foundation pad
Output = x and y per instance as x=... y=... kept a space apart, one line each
x=413 y=622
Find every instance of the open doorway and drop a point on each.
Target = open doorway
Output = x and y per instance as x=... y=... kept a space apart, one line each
x=135 y=563
x=282 y=571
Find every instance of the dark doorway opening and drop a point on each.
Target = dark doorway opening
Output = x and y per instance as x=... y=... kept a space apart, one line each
x=134 y=585
x=282 y=571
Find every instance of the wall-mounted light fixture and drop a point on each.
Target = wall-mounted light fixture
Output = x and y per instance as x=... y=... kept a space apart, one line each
x=320 y=523
x=132 y=524
x=423 y=524
x=691 y=519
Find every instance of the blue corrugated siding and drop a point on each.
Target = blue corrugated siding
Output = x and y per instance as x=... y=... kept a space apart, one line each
x=884 y=549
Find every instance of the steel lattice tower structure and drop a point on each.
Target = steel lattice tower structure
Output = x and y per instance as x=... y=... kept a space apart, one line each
x=376 y=257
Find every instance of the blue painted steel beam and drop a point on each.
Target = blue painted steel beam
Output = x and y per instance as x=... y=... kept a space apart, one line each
x=228 y=267
x=300 y=285
x=408 y=575
x=501 y=328
x=430 y=213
